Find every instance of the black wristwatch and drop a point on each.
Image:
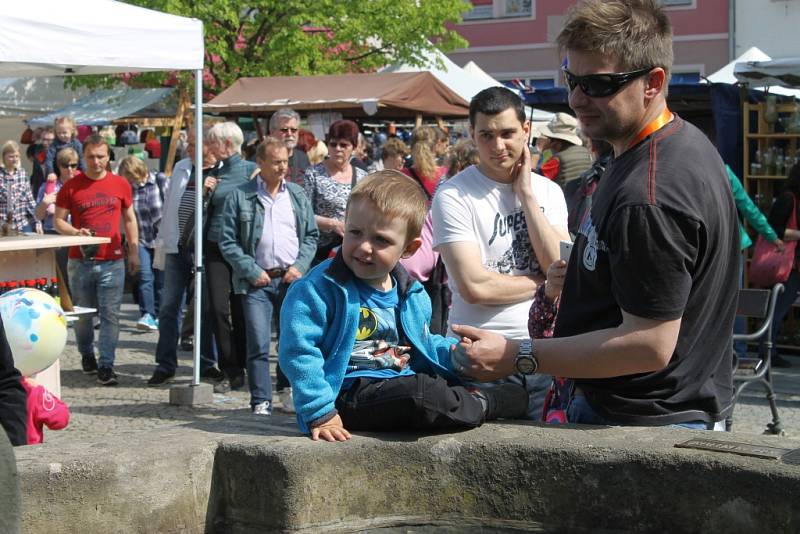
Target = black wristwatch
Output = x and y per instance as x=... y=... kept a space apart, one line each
x=526 y=362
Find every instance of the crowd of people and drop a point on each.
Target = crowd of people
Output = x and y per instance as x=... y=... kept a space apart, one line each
x=419 y=284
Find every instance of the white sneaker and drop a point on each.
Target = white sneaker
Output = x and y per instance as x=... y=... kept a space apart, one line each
x=147 y=323
x=262 y=408
x=287 y=402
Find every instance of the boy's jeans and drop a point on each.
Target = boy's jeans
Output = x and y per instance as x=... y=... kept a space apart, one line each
x=98 y=284
x=258 y=306
x=150 y=283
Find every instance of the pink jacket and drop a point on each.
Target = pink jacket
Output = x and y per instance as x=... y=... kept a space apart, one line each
x=44 y=408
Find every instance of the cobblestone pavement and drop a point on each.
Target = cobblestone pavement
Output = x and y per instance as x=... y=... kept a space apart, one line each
x=131 y=406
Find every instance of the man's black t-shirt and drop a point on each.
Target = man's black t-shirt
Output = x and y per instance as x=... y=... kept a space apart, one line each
x=661 y=242
x=298 y=163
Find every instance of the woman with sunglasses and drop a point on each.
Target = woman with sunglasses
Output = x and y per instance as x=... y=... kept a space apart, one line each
x=67 y=165
x=328 y=185
x=67 y=162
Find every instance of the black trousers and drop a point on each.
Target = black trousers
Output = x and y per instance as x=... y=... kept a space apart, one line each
x=415 y=402
x=227 y=315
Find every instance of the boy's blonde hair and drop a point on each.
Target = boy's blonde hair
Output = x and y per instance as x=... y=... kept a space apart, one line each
x=132 y=167
x=68 y=121
x=394 y=195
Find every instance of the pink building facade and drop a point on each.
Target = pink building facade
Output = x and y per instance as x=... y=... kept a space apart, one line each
x=514 y=39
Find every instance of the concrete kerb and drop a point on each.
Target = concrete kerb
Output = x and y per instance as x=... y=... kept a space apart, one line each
x=246 y=476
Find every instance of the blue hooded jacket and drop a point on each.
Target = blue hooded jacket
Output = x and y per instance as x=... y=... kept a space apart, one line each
x=319 y=319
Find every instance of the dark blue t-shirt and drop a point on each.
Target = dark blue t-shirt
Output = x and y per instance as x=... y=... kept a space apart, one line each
x=376 y=353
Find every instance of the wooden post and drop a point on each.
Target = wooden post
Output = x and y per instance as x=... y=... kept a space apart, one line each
x=440 y=124
x=183 y=104
x=259 y=131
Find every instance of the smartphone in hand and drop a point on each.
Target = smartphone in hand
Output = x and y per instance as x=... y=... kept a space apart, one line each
x=565 y=248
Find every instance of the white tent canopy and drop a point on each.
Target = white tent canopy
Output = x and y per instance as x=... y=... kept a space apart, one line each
x=54 y=37
x=466 y=82
x=463 y=83
x=57 y=37
x=24 y=97
x=753 y=55
x=778 y=72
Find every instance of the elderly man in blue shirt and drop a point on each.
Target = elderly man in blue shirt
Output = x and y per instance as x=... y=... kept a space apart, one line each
x=268 y=236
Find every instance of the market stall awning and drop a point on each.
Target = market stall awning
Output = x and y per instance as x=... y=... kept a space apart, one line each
x=105 y=106
x=781 y=72
x=382 y=95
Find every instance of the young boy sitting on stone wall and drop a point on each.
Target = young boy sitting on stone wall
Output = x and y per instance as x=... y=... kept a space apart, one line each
x=355 y=342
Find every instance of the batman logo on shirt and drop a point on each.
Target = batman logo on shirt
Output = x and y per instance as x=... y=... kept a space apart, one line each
x=367 y=324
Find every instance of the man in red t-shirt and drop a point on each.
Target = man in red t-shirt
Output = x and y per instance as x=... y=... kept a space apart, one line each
x=95 y=202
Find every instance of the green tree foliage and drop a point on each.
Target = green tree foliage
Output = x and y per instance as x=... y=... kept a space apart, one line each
x=303 y=37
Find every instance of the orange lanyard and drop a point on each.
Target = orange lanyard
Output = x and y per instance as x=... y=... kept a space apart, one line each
x=656 y=124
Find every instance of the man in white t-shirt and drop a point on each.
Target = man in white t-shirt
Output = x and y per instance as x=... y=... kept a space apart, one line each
x=497 y=226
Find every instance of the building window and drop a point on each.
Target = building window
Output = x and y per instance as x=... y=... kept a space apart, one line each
x=513 y=8
x=479 y=12
x=677 y=3
x=499 y=9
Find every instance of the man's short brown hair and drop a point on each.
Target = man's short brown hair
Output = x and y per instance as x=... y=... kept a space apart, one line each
x=96 y=140
x=268 y=143
x=635 y=33
x=394 y=195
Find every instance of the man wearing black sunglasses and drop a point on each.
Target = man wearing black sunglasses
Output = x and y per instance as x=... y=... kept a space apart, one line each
x=285 y=125
x=647 y=309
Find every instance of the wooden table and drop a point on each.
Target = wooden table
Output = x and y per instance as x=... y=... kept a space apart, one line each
x=27 y=256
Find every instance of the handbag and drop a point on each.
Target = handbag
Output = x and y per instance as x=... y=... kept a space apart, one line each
x=440 y=296
x=769 y=266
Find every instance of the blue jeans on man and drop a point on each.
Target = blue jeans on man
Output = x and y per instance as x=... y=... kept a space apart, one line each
x=178 y=276
x=98 y=284
x=259 y=305
x=580 y=411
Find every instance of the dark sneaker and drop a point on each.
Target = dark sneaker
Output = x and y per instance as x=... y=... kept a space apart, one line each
x=89 y=365
x=187 y=345
x=107 y=377
x=505 y=401
x=237 y=382
x=212 y=375
x=223 y=386
x=160 y=378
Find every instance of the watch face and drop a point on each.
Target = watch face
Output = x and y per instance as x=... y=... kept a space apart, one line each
x=526 y=365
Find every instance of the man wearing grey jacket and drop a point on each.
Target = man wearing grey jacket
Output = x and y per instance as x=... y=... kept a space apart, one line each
x=268 y=236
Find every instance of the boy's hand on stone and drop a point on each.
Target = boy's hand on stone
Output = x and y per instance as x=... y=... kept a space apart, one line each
x=332 y=430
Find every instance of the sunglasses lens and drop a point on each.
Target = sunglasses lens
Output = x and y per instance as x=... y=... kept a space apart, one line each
x=594 y=85
x=600 y=86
